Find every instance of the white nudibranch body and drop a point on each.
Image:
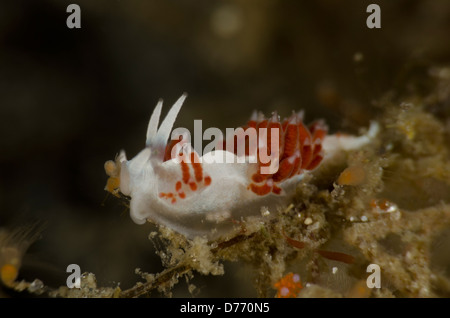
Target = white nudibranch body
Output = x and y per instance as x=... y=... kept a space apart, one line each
x=170 y=184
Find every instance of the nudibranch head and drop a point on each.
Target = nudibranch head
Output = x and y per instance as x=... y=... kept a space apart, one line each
x=256 y=166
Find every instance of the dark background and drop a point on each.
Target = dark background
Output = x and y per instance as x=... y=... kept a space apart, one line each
x=70 y=99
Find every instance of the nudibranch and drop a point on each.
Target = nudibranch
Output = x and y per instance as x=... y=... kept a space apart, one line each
x=13 y=246
x=171 y=184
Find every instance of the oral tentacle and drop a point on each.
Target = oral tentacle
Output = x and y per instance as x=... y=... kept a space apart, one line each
x=152 y=128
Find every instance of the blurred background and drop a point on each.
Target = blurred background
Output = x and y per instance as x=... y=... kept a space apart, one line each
x=70 y=99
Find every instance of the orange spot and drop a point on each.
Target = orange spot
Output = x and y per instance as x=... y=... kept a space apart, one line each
x=288 y=286
x=353 y=175
x=258 y=177
x=260 y=190
x=276 y=190
x=182 y=195
x=207 y=180
x=359 y=290
x=382 y=204
x=193 y=186
x=169 y=195
x=185 y=171
x=8 y=274
x=178 y=186
x=197 y=166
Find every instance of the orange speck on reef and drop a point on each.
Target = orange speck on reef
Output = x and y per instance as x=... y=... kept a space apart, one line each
x=382 y=205
x=8 y=274
x=288 y=286
x=359 y=290
x=353 y=175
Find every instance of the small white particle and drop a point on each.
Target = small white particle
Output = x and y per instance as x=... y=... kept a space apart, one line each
x=408 y=255
x=352 y=219
x=265 y=211
x=335 y=269
x=364 y=218
x=308 y=221
x=389 y=147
